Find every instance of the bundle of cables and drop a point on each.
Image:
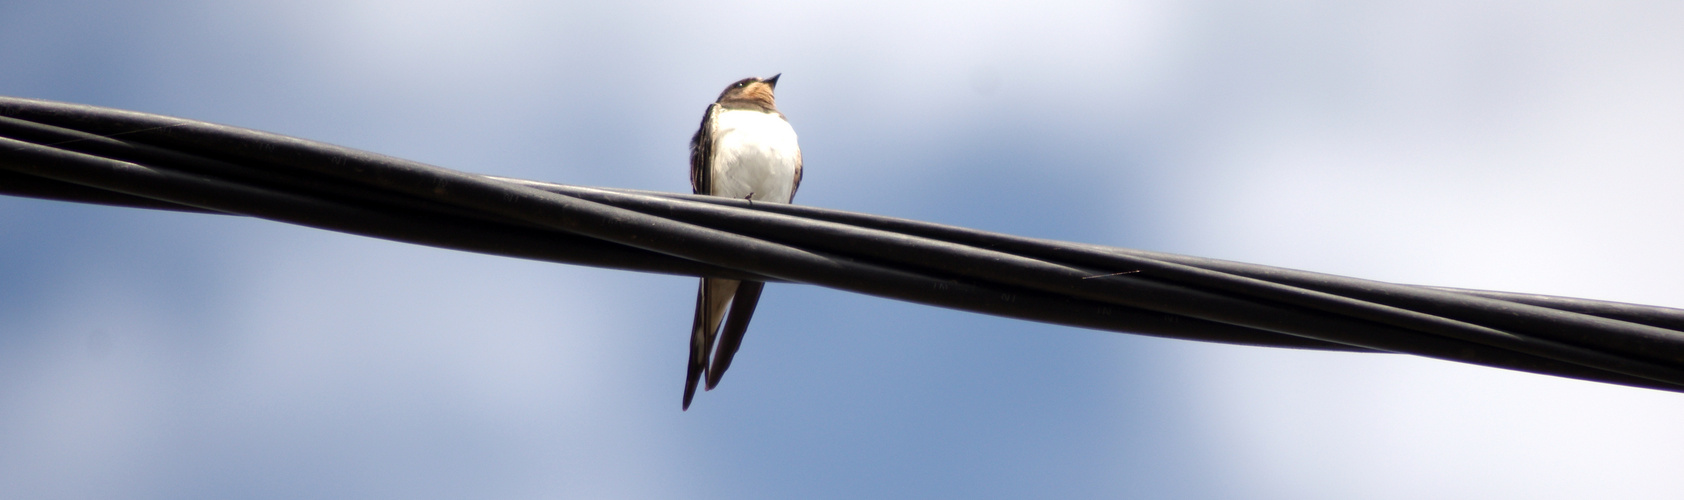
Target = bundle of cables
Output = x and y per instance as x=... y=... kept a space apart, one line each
x=105 y=156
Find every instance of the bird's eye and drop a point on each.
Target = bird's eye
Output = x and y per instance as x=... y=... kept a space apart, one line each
x=741 y=84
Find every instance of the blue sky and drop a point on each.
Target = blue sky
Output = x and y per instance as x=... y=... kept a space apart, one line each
x=1517 y=146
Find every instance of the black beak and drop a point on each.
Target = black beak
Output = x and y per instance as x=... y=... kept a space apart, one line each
x=773 y=81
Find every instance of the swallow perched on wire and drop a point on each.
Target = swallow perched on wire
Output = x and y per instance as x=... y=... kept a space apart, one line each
x=747 y=150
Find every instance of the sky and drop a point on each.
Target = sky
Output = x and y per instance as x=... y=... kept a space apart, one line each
x=1506 y=145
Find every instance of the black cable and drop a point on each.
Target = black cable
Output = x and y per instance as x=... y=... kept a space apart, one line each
x=98 y=155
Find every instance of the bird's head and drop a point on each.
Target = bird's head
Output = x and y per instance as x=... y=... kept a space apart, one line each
x=750 y=92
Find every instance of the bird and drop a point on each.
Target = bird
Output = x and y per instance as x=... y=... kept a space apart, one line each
x=745 y=149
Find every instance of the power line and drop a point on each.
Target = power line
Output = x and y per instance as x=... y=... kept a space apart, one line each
x=105 y=156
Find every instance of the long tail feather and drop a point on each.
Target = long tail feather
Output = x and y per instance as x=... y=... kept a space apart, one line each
x=736 y=325
x=701 y=339
x=711 y=300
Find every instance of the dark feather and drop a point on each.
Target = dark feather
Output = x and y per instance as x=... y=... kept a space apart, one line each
x=700 y=342
x=701 y=153
x=736 y=324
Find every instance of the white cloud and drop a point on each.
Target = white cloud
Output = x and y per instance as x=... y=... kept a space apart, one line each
x=1522 y=148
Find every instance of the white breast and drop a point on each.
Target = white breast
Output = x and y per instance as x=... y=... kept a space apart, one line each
x=754 y=153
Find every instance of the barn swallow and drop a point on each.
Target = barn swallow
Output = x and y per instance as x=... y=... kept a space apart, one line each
x=745 y=149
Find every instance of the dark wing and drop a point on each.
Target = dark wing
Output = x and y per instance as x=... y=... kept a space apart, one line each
x=701 y=332
x=736 y=324
x=701 y=153
x=701 y=341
